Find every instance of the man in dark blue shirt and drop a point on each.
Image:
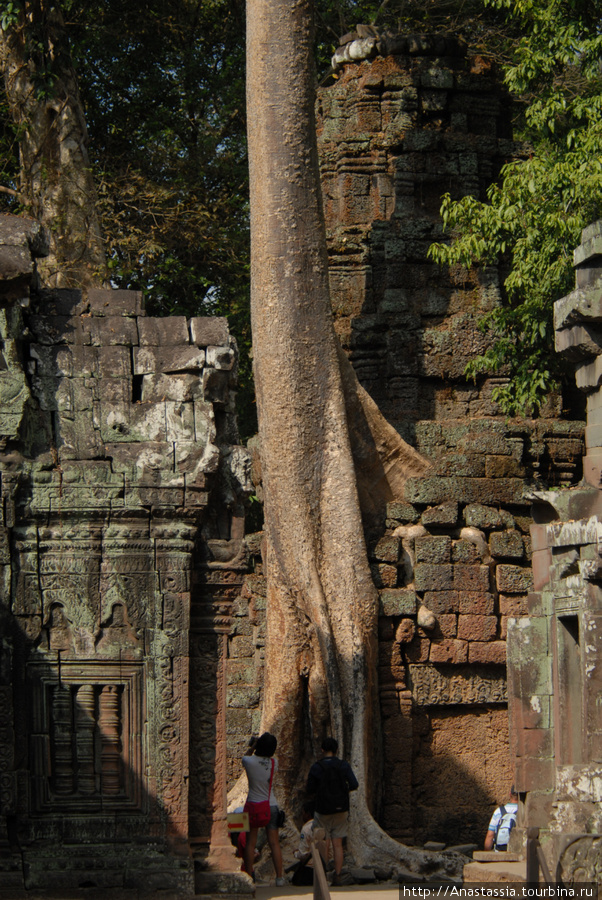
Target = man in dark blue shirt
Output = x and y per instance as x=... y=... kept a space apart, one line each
x=329 y=782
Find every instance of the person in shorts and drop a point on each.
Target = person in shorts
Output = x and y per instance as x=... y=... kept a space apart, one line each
x=261 y=766
x=329 y=782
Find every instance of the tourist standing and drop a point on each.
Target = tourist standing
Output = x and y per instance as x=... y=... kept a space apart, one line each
x=329 y=782
x=261 y=766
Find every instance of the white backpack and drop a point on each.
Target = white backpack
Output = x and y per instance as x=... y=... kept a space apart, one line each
x=505 y=826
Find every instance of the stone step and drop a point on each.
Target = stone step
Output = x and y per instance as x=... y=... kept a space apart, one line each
x=495 y=856
x=486 y=872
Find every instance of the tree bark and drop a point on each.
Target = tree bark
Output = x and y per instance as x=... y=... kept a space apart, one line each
x=322 y=606
x=44 y=102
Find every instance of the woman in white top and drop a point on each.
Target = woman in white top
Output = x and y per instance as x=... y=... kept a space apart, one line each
x=261 y=768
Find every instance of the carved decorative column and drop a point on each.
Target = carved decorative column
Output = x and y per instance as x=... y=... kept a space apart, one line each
x=62 y=733
x=218 y=586
x=110 y=735
x=85 y=725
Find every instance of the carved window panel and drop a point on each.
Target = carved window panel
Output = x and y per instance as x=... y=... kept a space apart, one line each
x=87 y=736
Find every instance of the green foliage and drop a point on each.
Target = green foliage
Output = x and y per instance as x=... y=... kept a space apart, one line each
x=534 y=217
x=9 y=14
x=163 y=90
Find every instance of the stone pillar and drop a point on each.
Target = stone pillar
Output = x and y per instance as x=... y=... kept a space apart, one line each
x=555 y=654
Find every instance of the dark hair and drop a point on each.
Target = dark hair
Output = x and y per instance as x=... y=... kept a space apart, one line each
x=330 y=745
x=266 y=745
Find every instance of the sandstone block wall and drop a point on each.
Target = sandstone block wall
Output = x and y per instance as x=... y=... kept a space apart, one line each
x=121 y=492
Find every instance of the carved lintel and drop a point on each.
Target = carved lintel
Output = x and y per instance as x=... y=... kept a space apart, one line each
x=455 y=685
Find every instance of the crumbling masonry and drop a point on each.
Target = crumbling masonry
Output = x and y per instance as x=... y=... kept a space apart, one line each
x=121 y=525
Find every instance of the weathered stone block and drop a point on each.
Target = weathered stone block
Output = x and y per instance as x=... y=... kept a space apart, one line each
x=405 y=631
x=477 y=628
x=418 y=650
x=449 y=650
x=448 y=625
x=503 y=467
x=221 y=358
x=506 y=544
x=534 y=774
x=239 y=721
x=528 y=658
x=150 y=360
x=475 y=603
x=398 y=602
x=466 y=552
x=540 y=563
x=182 y=388
x=579 y=342
x=179 y=421
x=536 y=743
x=433 y=549
x=470 y=578
x=484 y=517
x=384 y=576
x=429 y=577
x=216 y=386
x=592 y=467
x=441 y=602
x=435 y=490
x=402 y=512
x=206 y=331
x=241 y=672
x=160 y=332
x=387 y=550
x=114 y=302
x=513 y=579
x=532 y=712
x=112 y=330
x=115 y=362
x=493 y=652
x=514 y=606
x=60 y=330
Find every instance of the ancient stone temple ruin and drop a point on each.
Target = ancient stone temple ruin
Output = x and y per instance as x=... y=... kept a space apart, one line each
x=132 y=610
x=121 y=553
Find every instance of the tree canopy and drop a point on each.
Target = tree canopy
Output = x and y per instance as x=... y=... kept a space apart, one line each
x=162 y=88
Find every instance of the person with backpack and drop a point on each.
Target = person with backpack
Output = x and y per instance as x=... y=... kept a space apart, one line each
x=502 y=822
x=329 y=782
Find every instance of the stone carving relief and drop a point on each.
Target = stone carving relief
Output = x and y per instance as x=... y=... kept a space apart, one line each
x=432 y=686
x=580 y=860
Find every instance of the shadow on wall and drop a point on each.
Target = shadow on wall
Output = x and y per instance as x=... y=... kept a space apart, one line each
x=462 y=771
x=84 y=795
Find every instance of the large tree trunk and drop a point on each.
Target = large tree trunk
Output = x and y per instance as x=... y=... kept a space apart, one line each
x=322 y=606
x=56 y=181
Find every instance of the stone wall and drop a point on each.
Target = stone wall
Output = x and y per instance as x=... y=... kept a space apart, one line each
x=121 y=523
x=407 y=119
